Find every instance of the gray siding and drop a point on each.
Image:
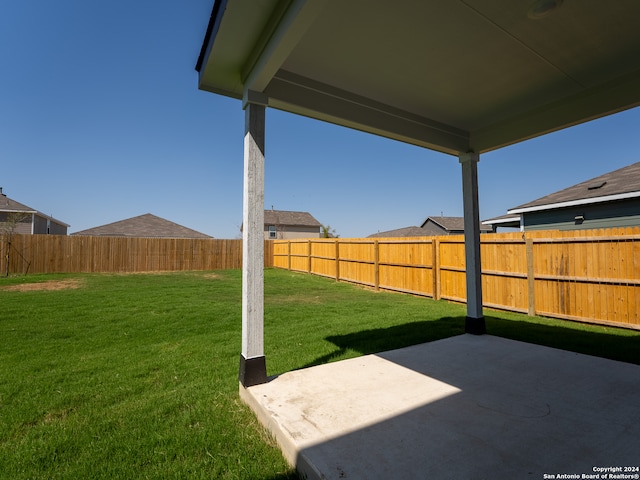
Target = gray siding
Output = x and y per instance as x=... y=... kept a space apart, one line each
x=23 y=227
x=623 y=213
x=292 y=231
x=39 y=225
x=57 y=229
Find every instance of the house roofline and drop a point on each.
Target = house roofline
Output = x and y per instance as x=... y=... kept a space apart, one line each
x=436 y=222
x=49 y=217
x=576 y=203
x=212 y=31
x=493 y=221
x=433 y=219
x=5 y=210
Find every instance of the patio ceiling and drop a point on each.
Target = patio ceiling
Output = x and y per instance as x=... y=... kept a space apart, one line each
x=453 y=76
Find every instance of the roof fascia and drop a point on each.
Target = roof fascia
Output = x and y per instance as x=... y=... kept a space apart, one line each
x=575 y=203
x=49 y=217
x=212 y=30
x=224 y=53
x=502 y=220
x=3 y=210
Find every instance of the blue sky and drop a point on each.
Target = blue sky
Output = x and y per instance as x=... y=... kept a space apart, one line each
x=101 y=120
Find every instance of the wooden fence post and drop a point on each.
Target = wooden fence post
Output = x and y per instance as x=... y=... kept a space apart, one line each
x=309 y=256
x=376 y=264
x=436 y=268
x=337 y=260
x=531 y=280
x=289 y=255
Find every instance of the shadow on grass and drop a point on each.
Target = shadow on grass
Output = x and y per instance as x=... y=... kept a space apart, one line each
x=614 y=344
x=391 y=338
x=611 y=343
x=622 y=346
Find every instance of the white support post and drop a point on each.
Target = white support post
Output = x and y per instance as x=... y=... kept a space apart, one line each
x=253 y=368
x=475 y=320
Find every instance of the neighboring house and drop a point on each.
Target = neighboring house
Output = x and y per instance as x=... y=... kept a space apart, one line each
x=281 y=224
x=503 y=221
x=146 y=225
x=610 y=200
x=432 y=226
x=447 y=226
x=401 y=232
x=16 y=217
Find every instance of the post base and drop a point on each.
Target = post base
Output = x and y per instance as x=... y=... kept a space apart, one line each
x=475 y=326
x=253 y=371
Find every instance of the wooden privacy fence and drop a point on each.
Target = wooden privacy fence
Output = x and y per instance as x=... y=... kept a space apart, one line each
x=586 y=275
x=72 y=254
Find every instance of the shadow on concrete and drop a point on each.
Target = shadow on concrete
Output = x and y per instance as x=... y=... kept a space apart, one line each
x=293 y=475
x=468 y=407
x=427 y=401
x=391 y=338
x=622 y=346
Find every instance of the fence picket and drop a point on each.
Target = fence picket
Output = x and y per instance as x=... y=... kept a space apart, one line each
x=74 y=254
x=591 y=275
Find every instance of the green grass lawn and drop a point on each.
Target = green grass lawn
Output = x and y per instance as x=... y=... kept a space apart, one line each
x=135 y=376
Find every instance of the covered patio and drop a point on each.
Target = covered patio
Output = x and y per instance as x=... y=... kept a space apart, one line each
x=459 y=77
x=466 y=407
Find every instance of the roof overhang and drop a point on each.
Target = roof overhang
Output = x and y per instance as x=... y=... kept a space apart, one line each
x=4 y=210
x=455 y=76
x=503 y=221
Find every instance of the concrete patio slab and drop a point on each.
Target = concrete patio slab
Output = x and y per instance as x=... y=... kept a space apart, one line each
x=466 y=407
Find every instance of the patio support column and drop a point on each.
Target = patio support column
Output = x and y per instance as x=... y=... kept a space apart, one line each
x=475 y=320
x=253 y=368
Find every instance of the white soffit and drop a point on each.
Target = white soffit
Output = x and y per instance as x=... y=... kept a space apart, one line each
x=453 y=75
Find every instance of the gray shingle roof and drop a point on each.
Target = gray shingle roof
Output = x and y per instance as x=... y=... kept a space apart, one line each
x=432 y=226
x=447 y=223
x=9 y=205
x=622 y=182
x=283 y=217
x=450 y=224
x=146 y=225
x=402 y=232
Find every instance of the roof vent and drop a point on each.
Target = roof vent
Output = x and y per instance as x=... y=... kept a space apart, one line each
x=596 y=186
